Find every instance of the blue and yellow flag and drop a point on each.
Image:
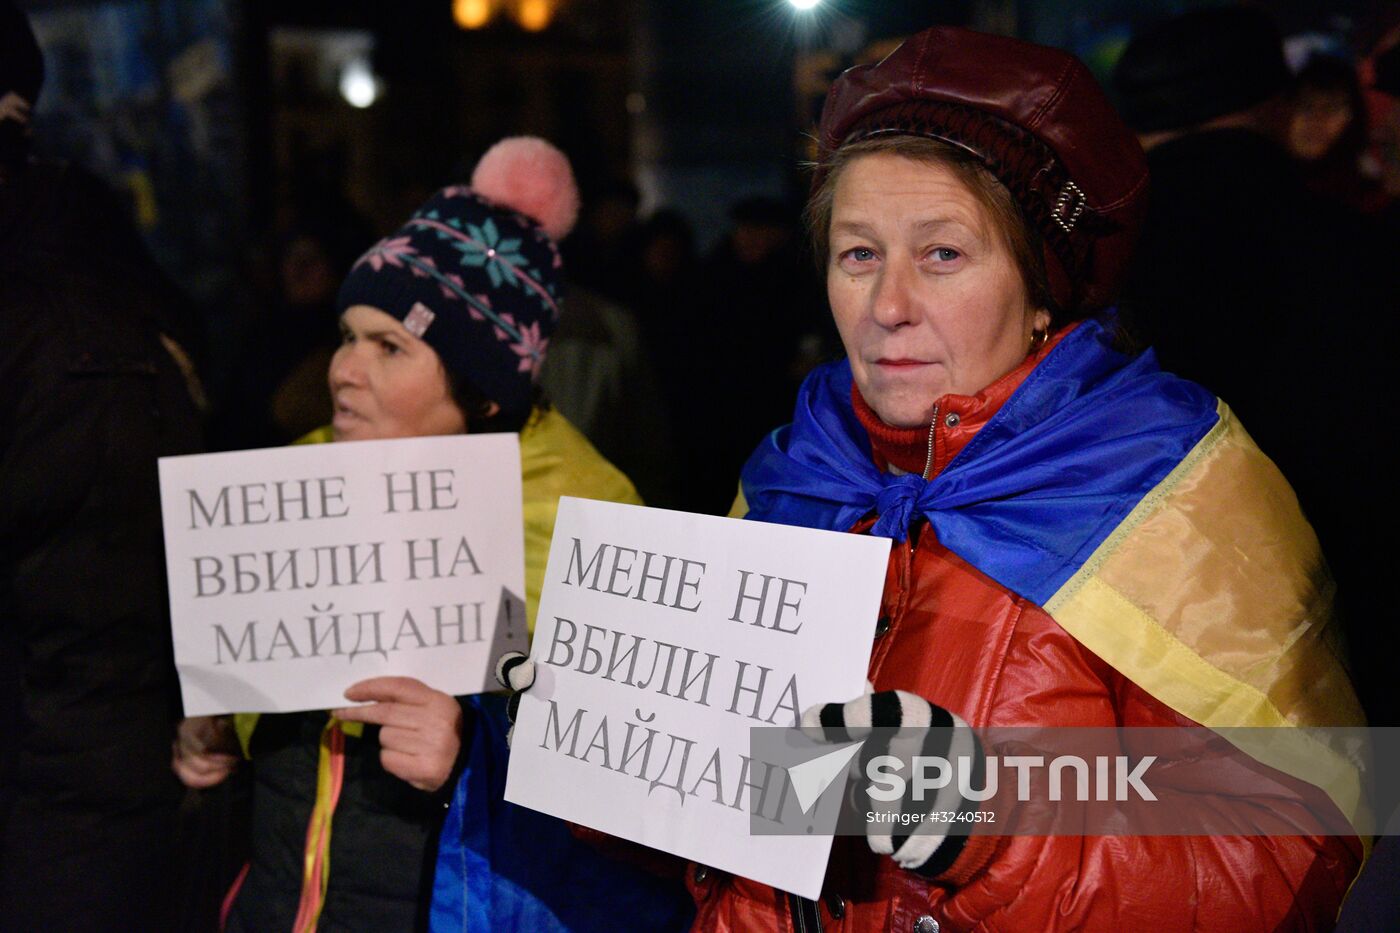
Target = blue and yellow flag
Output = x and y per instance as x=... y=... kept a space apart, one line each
x=1131 y=506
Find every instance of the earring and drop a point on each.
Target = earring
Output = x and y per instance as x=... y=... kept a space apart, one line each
x=1039 y=338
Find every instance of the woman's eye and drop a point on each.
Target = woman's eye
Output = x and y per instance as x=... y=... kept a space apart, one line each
x=856 y=256
x=390 y=348
x=944 y=254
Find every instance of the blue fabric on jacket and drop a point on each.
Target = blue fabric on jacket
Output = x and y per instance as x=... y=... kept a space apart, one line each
x=505 y=867
x=1085 y=437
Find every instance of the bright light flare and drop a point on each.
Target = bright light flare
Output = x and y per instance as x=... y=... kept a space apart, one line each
x=471 y=14
x=534 y=15
x=805 y=4
x=358 y=85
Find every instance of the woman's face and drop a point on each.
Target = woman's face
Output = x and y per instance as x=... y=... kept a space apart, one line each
x=926 y=294
x=385 y=382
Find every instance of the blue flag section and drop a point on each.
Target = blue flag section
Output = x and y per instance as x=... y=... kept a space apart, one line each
x=504 y=867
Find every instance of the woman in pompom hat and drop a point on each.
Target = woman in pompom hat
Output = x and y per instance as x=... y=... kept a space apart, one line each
x=445 y=324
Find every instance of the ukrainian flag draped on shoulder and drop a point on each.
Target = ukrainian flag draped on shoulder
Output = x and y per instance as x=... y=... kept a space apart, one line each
x=1131 y=506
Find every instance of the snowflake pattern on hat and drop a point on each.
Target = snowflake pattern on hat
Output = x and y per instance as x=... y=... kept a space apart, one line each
x=389 y=251
x=499 y=255
x=531 y=348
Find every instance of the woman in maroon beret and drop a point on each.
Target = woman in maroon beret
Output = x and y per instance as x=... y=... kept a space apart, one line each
x=1079 y=538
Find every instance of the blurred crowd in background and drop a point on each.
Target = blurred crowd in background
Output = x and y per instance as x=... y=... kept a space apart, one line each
x=648 y=362
x=258 y=169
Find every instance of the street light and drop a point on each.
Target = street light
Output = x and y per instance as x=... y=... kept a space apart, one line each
x=471 y=14
x=534 y=15
x=358 y=85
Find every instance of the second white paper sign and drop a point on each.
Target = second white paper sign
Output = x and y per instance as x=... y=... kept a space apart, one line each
x=662 y=638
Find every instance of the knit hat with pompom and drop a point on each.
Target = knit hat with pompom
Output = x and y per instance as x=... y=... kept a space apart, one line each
x=475 y=272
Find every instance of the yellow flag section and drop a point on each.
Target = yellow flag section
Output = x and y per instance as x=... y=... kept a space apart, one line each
x=556 y=460
x=1214 y=597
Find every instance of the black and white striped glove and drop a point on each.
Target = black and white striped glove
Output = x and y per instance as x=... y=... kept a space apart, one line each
x=515 y=672
x=920 y=842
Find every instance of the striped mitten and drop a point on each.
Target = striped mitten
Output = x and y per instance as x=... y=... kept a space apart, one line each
x=913 y=833
x=516 y=672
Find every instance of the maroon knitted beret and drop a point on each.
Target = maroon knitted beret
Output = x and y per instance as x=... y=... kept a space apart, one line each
x=1036 y=118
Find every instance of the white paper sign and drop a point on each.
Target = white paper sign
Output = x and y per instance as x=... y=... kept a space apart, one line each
x=297 y=571
x=624 y=584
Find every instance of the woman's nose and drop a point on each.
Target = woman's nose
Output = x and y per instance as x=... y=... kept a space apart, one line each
x=346 y=367
x=893 y=302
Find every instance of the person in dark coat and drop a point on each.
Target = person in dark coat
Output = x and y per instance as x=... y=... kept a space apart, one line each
x=758 y=306
x=95 y=386
x=1329 y=134
x=1272 y=298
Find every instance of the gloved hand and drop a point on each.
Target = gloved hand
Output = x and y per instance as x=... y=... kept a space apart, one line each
x=922 y=844
x=515 y=672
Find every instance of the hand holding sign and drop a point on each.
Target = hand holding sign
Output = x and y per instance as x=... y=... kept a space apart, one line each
x=420 y=729
x=515 y=672
x=929 y=731
x=205 y=751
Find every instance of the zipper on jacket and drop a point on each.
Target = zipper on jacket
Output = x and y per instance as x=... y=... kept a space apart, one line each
x=932 y=427
x=806 y=918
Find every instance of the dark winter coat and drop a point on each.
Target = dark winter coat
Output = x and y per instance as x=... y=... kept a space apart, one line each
x=90 y=396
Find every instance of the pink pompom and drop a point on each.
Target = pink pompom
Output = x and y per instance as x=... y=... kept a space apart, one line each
x=529 y=175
